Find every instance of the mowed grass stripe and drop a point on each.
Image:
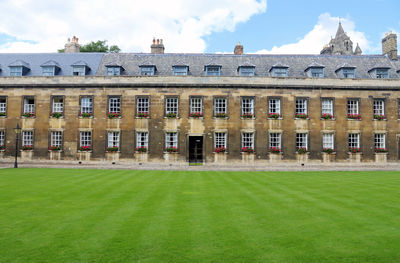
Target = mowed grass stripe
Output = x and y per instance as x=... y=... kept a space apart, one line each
x=67 y=215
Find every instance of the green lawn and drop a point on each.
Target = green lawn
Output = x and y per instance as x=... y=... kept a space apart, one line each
x=67 y=215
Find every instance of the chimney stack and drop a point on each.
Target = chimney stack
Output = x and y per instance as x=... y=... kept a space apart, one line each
x=389 y=45
x=238 y=49
x=157 y=47
x=72 y=46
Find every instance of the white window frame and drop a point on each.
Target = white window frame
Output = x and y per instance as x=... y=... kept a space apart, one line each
x=85 y=138
x=247 y=105
x=56 y=138
x=220 y=105
x=196 y=105
x=2 y=138
x=379 y=107
x=301 y=106
x=114 y=104
x=171 y=139
x=143 y=105
x=3 y=105
x=57 y=106
x=27 y=138
x=327 y=106
x=354 y=140
x=29 y=107
x=302 y=141
x=220 y=139
x=328 y=140
x=142 y=139
x=113 y=139
x=86 y=104
x=275 y=140
x=171 y=105
x=380 y=140
x=353 y=106
x=274 y=105
x=248 y=140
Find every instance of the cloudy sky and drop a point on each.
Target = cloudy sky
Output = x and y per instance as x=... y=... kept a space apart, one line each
x=262 y=26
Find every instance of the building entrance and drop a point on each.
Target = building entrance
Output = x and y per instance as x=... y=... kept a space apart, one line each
x=195 y=149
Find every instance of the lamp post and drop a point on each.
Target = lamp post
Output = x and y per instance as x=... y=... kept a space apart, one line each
x=17 y=132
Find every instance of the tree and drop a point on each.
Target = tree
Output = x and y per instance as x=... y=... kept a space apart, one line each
x=98 y=46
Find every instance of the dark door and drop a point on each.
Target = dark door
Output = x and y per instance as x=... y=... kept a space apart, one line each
x=195 y=149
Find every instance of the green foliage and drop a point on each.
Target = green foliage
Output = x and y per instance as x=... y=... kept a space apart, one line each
x=98 y=46
x=81 y=215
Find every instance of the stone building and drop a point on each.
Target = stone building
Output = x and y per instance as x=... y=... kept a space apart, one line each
x=339 y=106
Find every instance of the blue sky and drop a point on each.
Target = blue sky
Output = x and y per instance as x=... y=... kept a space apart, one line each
x=262 y=26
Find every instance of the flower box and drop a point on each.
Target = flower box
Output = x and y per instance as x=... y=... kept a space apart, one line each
x=328 y=150
x=27 y=148
x=2 y=148
x=248 y=116
x=85 y=148
x=142 y=115
x=247 y=150
x=171 y=149
x=273 y=116
x=86 y=115
x=171 y=115
x=301 y=150
x=28 y=115
x=380 y=117
x=113 y=115
x=275 y=150
x=195 y=115
x=354 y=150
x=54 y=148
x=354 y=116
x=141 y=149
x=301 y=116
x=327 y=116
x=3 y=114
x=112 y=149
x=220 y=149
x=381 y=150
x=56 y=115
x=220 y=115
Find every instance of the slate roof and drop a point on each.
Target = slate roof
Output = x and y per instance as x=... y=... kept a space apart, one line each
x=64 y=61
x=297 y=64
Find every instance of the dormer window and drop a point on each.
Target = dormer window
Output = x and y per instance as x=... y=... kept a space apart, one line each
x=348 y=73
x=213 y=70
x=113 y=71
x=279 y=71
x=16 y=71
x=246 y=71
x=147 y=70
x=180 y=70
x=80 y=68
x=315 y=72
x=50 y=68
x=382 y=73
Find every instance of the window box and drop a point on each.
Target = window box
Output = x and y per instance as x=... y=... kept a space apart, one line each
x=354 y=116
x=327 y=116
x=220 y=115
x=28 y=115
x=247 y=150
x=328 y=150
x=220 y=149
x=301 y=116
x=301 y=150
x=56 y=115
x=379 y=117
x=85 y=148
x=171 y=115
x=27 y=148
x=354 y=150
x=273 y=116
x=2 y=148
x=195 y=115
x=142 y=115
x=171 y=149
x=275 y=150
x=248 y=116
x=114 y=115
x=86 y=115
x=3 y=114
x=141 y=149
x=55 y=148
x=381 y=150
x=112 y=149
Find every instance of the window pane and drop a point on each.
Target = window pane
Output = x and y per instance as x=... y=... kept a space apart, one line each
x=220 y=106
x=247 y=106
x=27 y=138
x=196 y=105
x=113 y=139
x=219 y=140
x=301 y=106
x=86 y=105
x=248 y=140
x=171 y=140
x=143 y=105
x=213 y=70
x=171 y=106
x=275 y=140
x=327 y=106
x=301 y=140
x=56 y=139
x=352 y=107
x=2 y=138
x=180 y=70
x=29 y=105
x=246 y=71
x=3 y=105
x=327 y=140
x=58 y=104
x=379 y=107
x=142 y=139
x=114 y=105
x=85 y=138
x=274 y=106
x=380 y=142
x=354 y=140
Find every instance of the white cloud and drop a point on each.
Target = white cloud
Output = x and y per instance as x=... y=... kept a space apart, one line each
x=320 y=35
x=129 y=24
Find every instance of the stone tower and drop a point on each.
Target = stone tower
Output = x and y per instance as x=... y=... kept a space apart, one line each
x=340 y=45
x=389 y=46
x=72 y=46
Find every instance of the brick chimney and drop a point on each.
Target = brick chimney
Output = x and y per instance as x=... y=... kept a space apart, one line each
x=72 y=46
x=389 y=45
x=238 y=49
x=157 y=47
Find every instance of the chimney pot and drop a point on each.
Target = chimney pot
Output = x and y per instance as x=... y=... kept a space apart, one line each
x=157 y=47
x=72 y=46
